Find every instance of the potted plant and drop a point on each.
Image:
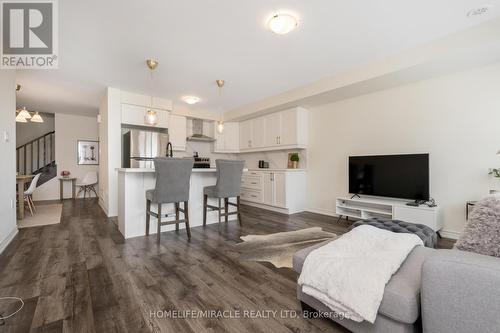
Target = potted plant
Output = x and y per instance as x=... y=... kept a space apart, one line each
x=495 y=173
x=295 y=160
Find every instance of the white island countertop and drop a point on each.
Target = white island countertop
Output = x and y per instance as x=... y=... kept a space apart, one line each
x=145 y=170
x=277 y=169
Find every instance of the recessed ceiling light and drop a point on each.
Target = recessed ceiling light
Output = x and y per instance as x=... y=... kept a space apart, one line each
x=479 y=11
x=191 y=99
x=282 y=23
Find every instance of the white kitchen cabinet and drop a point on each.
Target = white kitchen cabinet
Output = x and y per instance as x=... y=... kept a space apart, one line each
x=258 y=131
x=279 y=195
x=177 y=132
x=229 y=140
x=246 y=135
x=145 y=101
x=281 y=130
x=293 y=127
x=273 y=129
x=134 y=115
x=281 y=190
x=268 y=188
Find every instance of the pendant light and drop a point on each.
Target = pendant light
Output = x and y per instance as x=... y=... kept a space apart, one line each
x=151 y=117
x=20 y=118
x=25 y=114
x=36 y=118
x=220 y=123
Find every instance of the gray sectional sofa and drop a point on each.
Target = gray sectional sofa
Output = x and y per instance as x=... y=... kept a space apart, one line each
x=434 y=291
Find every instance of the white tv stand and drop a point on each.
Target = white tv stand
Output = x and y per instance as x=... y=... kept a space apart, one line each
x=394 y=209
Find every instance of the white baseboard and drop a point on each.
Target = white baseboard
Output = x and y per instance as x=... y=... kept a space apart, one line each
x=8 y=239
x=274 y=209
x=450 y=234
x=322 y=211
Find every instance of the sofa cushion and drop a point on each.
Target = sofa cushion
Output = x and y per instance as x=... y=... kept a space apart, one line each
x=401 y=299
x=426 y=234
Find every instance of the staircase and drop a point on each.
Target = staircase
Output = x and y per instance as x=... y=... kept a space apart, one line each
x=38 y=156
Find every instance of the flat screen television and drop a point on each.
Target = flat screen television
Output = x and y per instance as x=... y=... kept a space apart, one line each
x=394 y=176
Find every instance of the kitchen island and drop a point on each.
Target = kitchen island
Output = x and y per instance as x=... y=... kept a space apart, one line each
x=132 y=186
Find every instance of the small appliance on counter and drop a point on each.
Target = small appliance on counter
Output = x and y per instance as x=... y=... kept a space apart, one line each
x=201 y=162
x=263 y=164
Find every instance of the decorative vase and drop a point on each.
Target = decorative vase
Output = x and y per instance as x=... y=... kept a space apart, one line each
x=295 y=164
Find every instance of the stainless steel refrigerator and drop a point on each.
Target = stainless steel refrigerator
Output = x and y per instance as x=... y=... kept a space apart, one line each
x=140 y=147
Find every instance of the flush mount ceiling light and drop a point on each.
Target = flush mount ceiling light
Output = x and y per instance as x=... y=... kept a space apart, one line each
x=191 y=99
x=282 y=23
x=479 y=11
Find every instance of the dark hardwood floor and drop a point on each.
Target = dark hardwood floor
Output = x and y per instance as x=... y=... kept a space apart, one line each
x=82 y=276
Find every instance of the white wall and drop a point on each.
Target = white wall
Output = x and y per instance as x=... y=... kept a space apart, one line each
x=110 y=155
x=455 y=118
x=8 y=228
x=69 y=129
x=26 y=132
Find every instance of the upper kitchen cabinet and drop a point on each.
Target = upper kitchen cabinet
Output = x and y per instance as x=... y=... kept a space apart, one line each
x=177 y=132
x=258 y=130
x=281 y=130
x=246 y=135
x=134 y=115
x=147 y=101
x=134 y=108
x=229 y=140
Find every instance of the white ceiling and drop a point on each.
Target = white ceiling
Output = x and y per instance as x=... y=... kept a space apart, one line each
x=105 y=43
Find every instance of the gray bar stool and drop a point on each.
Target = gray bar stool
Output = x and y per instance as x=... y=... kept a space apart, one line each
x=228 y=186
x=172 y=186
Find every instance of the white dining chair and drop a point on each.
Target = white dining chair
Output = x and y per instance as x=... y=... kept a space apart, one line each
x=28 y=194
x=87 y=184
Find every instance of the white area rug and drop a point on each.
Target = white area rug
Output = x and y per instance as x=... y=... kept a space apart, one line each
x=45 y=215
x=279 y=248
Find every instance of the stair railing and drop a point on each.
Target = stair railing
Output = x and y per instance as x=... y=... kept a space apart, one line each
x=36 y=154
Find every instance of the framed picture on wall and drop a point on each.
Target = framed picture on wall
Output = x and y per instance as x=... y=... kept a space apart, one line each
x=88 y=152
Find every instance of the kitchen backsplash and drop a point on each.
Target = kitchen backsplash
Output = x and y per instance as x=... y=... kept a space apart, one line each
x=276 y=159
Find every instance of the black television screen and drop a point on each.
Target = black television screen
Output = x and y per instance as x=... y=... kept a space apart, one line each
x=395 y=176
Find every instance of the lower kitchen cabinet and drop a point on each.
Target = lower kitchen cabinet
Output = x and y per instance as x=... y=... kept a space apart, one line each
x=280 y=190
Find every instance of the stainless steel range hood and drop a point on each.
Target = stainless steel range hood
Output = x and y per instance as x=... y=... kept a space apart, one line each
x=198 y=132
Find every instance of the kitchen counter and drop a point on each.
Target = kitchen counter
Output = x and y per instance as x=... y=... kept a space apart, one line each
x=277 y=169
x=132 y=186
x=147 y=170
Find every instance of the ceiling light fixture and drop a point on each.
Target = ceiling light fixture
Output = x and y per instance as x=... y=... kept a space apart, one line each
x=36 y=118
x=479 y=11
x=24 y=113
x=282 y=23
x=220 y=123
x=191 y=99
x=151 y=117
x=20 y=118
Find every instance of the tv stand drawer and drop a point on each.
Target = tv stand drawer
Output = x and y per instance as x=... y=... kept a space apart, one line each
x=417 y=215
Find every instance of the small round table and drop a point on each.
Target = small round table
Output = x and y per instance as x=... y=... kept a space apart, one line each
x=61 y=187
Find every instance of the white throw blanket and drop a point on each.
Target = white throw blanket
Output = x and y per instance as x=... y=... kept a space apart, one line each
x=349 y=274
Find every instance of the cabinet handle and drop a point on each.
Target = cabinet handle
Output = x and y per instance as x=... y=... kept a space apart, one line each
x=254 y=183
x=279 y=139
